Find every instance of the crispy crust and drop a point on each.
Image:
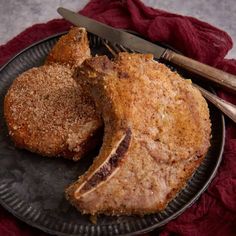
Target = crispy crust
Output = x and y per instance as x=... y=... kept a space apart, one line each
x=169 y=121
x=48 y=113
x=71 y=49
x=190 y=168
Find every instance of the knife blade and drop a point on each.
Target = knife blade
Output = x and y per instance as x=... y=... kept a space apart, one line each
x=220 y=78
x=111 y=34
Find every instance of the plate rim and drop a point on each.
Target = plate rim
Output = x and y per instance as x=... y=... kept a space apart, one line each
x=28 y=47
x=144 y=230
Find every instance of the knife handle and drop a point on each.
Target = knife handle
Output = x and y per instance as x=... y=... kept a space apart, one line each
x=217 y=76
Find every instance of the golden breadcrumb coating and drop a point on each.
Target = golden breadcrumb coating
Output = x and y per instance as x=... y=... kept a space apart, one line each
x=157 y=132
x=71 y=49
x=48 y=113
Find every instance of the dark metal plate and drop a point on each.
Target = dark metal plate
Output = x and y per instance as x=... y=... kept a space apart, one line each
x=32 y=187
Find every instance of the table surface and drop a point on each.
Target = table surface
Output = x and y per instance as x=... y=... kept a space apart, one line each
x=16 y=15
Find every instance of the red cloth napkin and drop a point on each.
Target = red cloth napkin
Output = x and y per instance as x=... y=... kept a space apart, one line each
x=215 y=212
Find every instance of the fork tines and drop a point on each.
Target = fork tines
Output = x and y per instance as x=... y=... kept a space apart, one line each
x=114 y=49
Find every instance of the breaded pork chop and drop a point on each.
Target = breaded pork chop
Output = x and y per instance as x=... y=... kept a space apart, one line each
x=157 y=132
x=48 y=113
x=71 y=49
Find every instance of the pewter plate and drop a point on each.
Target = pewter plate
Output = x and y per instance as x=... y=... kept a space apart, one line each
x=32 y=187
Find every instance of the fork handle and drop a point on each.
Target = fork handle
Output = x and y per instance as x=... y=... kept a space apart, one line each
x=227 y=108
x=220 y=77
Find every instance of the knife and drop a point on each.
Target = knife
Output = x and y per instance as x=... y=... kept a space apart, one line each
x=138 y=44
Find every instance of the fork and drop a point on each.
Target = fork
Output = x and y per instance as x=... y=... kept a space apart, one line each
x=227 y=108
